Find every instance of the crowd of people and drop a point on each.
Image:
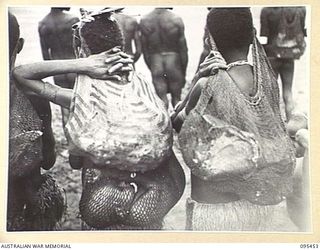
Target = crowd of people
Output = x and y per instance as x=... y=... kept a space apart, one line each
x=239 y=147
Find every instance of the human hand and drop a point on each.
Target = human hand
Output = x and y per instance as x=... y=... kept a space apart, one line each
x=108 y=65
x=297 y=121
x=211 y=64
x=301 y=142
x=302 y=137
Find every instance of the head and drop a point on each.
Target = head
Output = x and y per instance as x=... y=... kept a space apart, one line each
x=165 y=8
x=231 y=28
x=101 y=34
x=60 y=8
x=15 y=42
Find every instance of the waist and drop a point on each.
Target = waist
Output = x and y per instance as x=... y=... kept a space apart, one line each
x=203 y=192
x=163 y=53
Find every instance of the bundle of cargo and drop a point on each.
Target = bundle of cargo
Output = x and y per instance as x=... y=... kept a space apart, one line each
x=121 y=128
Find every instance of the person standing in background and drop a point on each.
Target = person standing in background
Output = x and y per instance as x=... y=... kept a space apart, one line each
x=165 y=52
x=285 y=29
x=131 y=34
x=56 y=38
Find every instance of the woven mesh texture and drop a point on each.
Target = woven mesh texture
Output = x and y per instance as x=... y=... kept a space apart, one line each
x=113 y=200
x=120 y=124
x=25 y=144
x=247 y=150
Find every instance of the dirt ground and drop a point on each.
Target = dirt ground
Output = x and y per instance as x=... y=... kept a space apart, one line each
x=69 y=179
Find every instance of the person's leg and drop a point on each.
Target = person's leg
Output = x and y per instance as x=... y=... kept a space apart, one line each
x=158 y=79
x=286 y=75
x=174 y=76
x=275 y=65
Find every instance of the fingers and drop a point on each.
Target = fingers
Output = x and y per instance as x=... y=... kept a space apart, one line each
x=213 y=57
x=110 y=77
x=119 y=58
x=112 y=59
x=119 y=67
x=113 y=50
x=123 y=64
x=124 y=55
x=215 y=54
x=114 y=68
x=210 y=60
x=116 y=50
x=302 y=137
x=126 y=69
x=211 y=69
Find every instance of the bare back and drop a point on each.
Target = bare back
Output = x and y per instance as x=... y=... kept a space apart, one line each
x=55 y=32
x=165 y=52
x=162 y=30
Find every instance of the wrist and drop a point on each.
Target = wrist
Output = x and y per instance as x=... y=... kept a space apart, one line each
x=82 y=65
x=49 y=92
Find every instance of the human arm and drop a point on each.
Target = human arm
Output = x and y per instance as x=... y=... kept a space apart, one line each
x=206 y=48
x=303 y=20
x=298 y=122
x=188 y=104
x=43 y=43
x=102 y=66
x=182 y=45
x=204 y=54
x=137 y=43
x=210 y=66
x=144 y=44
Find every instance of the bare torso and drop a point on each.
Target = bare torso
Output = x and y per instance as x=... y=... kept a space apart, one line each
x=161 y=28
x=165 y=52
x=55 y=32
x=129 y=27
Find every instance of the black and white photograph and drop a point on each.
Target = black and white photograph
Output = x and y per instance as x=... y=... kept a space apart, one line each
x=159 y=118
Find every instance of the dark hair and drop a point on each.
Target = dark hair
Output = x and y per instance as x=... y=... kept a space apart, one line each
x=101 y=34
x=61 y=8
x=230 y=27
x=14 y=32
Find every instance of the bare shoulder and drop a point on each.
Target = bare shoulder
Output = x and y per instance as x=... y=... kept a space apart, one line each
x=178 y=20
x=42 y=24
x=70 y=18
x=146 y=18
x=145 y=24
x=131 y=22
x=265 y=11
x=131 y=19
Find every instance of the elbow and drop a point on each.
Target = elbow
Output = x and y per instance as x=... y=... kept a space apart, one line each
x=17 y=74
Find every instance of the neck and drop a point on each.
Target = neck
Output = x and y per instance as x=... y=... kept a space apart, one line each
x=234 y=55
